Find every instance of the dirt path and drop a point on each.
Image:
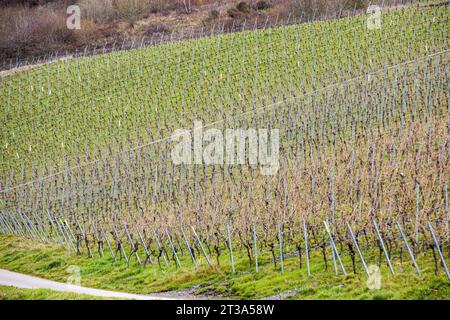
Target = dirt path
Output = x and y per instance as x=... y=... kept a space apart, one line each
x=9 y=278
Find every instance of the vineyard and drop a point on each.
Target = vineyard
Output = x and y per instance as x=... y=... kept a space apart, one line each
x=363 y=160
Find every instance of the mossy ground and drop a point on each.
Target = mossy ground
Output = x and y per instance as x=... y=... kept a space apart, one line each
x=51 y=262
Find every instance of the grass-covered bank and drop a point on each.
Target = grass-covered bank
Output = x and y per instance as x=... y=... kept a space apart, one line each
x=51 y=262
x=11 y=293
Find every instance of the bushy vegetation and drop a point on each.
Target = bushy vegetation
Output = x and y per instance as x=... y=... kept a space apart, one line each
x=102 y=273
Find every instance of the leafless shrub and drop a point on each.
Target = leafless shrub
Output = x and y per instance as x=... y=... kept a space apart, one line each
x=23 y=30
x=150 y=29
x=99 y=11
x=156 y=6
x=316 y=8
x=262 y=5
x=26 y=3
x=243 y=7
x=213 y=15
x=131 y=10
x=187 y=6
x=235 y=13
x=307 y=8
x=87 y=34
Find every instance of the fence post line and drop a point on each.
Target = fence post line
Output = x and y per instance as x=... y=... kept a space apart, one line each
x=230 y=245
x=447 y=213
x=53 y=227
x=17 y=226
x=105 y=236
x=173 y=248
x=27 y=230
x=99 y=243
x=62 y=233
x=382 y=246
x=357 y=248
x=133 y=248
x=255 y=249
x=83 y=235
x=280 y=241
x=201 y=246
x=416 y=227
x=69 y=232
x=411 y=254
x=40 y=228
x=122 y=249
x=430 y=227
x=4 y=228
x=145 y=248
x=189 y=248
x=7 y=225
x=333 y=247
x=29 y=226
x=163 y=250
x=10 y=225
x=333 y=257
x=36 y=231
x=305 y=235
x=69 y=241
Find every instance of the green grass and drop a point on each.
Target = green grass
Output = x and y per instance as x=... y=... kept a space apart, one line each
x=51 y=262
x=12 y=293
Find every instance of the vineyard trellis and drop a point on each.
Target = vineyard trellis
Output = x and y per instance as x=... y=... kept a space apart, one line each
x=159 y=37
x=364 y=146
x=24 y=144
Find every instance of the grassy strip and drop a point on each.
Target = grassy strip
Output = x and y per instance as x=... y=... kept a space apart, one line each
x=12 y=293
x=51 y=262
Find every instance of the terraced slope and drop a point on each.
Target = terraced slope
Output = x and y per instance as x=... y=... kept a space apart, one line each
x=363 y=126
x=73 y=108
